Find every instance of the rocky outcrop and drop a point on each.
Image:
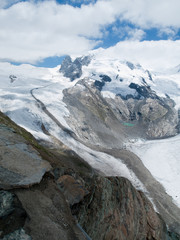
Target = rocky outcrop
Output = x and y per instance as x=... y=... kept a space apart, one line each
x=91 y=118
x=72 y=189
x=73 y=69
x=100 y=84
x=108 y=122
x=142 y=90
x=161 y=119
x=34 y=207
x=17 y=235
x=130 y=65
x=49 y=216
x=157 y=117
x=12 y=217
x=20 y=164
x=115 y=210
x=12 y=78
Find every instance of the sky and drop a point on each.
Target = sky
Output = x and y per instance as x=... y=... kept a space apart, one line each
x=42 y=32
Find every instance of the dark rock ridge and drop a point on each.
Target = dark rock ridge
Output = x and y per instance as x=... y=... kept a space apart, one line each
x=72 y=189
x=115 y=210
x=143 y=91
x=12 y=217
x=12 y=78
x=100 y=84
x=149 y=75
x=105 y=78
x=130 y=65
x=73 y=69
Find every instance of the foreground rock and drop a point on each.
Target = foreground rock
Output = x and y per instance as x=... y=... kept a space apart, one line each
x=20 y=164
x=49 y=214
x=17 y=235
x=72 y=189
x=12 y=217
x=115 y=210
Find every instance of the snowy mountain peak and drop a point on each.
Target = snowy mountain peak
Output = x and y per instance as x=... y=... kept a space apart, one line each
x=111 y=76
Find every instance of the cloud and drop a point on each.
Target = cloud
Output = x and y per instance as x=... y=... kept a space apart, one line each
x=169 y=32
x=136 y=34
x=81 y=1
x=33 y=30
x=7 y=3
x=153 y=55
x=29 y=31
x=128 y=33
x=149 y=13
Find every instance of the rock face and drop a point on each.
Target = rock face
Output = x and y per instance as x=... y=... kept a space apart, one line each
x=17 y=235
x=155 y=116
x=12 y=78
x=6 y=200
x=72 y=189
x=91 y=118
x=73 y=69
x=12 y=217
x=115 y=210
x=108 y=122
x=29 y=211
x=20 y=164
x=49 y=214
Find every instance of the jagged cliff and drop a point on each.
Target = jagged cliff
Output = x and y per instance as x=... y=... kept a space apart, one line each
x=115 y=210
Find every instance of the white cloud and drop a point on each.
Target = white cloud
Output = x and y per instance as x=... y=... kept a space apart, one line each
x=169 y=32
x=153 y=55
x=149 y=13
x=129 y=33
x=7 y=3
x=31 y=31
x=135 y=34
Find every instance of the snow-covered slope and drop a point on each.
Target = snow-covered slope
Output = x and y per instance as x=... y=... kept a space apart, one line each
x=17 y=101
x=161 y=157
x=123 y=74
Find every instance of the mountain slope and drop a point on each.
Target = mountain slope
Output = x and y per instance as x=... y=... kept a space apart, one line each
x=98 y=107
x=21 y=209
